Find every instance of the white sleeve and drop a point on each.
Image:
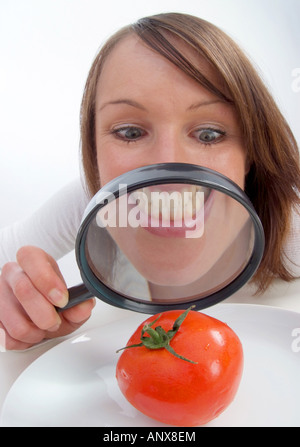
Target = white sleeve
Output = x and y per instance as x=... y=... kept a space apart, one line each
x=53 y=227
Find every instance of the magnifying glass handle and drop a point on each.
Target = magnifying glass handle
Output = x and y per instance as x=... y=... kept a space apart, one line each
x=77 y=294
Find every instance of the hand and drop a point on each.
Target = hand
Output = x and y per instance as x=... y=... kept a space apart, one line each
x=30 y=289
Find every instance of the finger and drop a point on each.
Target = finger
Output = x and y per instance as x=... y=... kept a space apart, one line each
x=44 y=273
x=73 y=318
x=14 y=319
x=26 y=304
x=8 y=343
x=79 y=313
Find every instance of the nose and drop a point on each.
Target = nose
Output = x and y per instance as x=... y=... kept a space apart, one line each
x=169 y=148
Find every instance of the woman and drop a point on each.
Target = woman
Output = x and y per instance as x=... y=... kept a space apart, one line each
x=170 y=88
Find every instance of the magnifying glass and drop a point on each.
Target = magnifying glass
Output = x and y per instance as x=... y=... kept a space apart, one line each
x=167 y=236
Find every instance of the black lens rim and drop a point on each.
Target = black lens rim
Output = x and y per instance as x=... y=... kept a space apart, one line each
x=156 y=174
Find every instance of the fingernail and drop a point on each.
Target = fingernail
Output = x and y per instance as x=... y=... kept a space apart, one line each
x=54 y=328
x=58 y=297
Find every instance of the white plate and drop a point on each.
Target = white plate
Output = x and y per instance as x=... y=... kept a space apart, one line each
x=74 y=383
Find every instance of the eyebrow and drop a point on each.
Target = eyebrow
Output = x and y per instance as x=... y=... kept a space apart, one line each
x=197 y=105
x=128 y=102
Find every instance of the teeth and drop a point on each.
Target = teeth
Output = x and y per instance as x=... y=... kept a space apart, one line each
x=176 y=206
x=170 y=205
x=142 y=200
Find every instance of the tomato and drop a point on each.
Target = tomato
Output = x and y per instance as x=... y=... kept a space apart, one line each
x=186 y=391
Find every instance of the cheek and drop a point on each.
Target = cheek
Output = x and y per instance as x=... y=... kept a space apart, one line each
x=110 y=167
x=112 y=162
x=237 y=173
x=240 y=170
x=235 y=165
x=107 y=169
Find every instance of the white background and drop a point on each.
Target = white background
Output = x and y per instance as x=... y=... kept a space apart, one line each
x=47 y=47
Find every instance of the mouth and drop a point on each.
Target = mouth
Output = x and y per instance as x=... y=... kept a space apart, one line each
x=172 y=210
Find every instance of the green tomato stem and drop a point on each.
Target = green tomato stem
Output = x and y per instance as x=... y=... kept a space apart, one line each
x=158 y=338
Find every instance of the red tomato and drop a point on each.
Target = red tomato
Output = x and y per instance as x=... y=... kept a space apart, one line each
x=175 y=391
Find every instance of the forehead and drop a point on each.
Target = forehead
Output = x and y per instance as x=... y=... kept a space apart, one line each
x=132 y=63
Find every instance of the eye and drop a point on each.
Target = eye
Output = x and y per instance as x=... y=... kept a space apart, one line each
x=209 y=136
x=129 y=133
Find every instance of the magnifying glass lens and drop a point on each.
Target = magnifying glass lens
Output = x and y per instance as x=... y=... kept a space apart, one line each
x=169 y=242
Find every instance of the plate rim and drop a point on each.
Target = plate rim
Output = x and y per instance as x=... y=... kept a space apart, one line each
x=139 y=317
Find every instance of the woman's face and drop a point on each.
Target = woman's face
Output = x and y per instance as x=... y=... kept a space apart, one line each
x=148 y=111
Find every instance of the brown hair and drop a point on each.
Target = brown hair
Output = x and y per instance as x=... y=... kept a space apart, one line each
x=273 y=180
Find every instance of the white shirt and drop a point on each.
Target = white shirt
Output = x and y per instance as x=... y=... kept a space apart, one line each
x=54 y=228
